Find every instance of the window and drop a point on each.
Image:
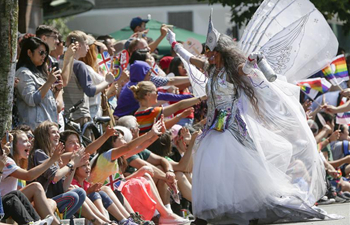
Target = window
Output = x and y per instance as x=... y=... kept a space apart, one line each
x=182 y=20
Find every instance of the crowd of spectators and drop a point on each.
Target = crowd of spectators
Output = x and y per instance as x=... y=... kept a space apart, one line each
x=139 y=171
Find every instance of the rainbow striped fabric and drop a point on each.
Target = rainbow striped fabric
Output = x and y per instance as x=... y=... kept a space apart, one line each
x=336 y=72
x=311 y=87
x=146 y=118
x=340 y=67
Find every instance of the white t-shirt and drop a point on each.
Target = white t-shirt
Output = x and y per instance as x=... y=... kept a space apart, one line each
x=8 y=183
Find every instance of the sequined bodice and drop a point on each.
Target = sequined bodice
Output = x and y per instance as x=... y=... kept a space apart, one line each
x=221 y=95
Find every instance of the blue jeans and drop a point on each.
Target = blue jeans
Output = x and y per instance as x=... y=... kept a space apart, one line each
x=69 y=202
x=106 y=200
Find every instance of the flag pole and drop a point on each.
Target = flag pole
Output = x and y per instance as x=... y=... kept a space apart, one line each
x=311 y=98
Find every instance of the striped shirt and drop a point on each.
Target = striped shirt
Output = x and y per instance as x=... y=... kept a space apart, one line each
x=146 y=117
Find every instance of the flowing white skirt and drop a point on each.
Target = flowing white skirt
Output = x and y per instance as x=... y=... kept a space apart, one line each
x=275 y=174
x=233 y=184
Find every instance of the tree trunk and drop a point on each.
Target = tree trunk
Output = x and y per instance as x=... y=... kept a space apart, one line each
x=8 y=52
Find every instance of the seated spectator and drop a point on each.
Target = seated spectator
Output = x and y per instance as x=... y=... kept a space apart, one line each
x=140 y=71
x=139 y=191
x=37 y=88
x=100 y=198
x=15 y=204
x=72 y=143
x=164 y=176
x=146 y=93
x=57 y=178
x=15 y=175
x=164 y=63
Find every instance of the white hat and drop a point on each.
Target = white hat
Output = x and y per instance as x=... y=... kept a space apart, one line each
x=213 y=35
x=126 y=132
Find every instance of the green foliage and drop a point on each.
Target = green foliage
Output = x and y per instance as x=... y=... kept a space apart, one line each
x=243 y=10
x=60 y=25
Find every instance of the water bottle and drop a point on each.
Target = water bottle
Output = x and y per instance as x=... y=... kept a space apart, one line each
x=266 y=69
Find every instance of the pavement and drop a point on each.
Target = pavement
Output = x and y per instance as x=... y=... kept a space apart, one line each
x=342 y=209
x=339 y=209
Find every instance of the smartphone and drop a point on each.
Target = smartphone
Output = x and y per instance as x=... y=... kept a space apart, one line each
x=73 y=40
x=55 y=65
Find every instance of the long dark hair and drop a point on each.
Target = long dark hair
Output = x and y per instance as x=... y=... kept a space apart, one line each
x=174 y=66
x=139 y=54
x=232 y=58
x=32 y=43
x=108 y=145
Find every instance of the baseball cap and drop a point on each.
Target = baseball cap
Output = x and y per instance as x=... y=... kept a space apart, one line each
x=137 y=21
x=164 y=63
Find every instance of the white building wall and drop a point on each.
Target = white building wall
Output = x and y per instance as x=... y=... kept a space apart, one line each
x=106 y=21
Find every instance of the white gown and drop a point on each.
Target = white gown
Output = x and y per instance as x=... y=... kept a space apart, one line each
x=265 y=168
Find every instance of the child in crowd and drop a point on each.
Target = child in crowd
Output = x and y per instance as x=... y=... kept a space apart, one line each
x=56 y=179
x=95 y=192
x=141 y=192
x=15 y=175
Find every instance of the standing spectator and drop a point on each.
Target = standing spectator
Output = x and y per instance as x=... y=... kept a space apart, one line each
x=138 y=25
x=80 y=85
x=108 y=41
x=49 y=35
x=37 y=88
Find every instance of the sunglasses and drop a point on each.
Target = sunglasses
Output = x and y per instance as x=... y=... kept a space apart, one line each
x=55 y=37
x=42 y=52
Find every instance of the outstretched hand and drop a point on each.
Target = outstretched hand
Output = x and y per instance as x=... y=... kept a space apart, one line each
x=329 y=108
x=158 y=127
x=59 y=150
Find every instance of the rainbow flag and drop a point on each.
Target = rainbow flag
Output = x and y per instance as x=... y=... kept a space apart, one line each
x=340 y=68
x=328 y=74
x=336 y=72
x=117 y=69
x=311 y=87
x=343 y=118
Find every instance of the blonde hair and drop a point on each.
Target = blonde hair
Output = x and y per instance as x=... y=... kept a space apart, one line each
x=141 y=89
x=80 y=37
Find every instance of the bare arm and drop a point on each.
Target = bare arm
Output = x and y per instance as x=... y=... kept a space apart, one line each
x=92 y=148
x=183 y=104
x=68 y=63
x=186 y=162
x=35 y=172
x=178 y=81
x=141 y=143
x=139 y=163
x=154 y=44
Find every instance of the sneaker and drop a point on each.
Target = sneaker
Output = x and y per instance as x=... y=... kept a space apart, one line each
x=127 y=222
x=47 y=221
x=341 y=195
x=171 y=221
x=339 y=199
x=325 y=201
x=137 y=218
